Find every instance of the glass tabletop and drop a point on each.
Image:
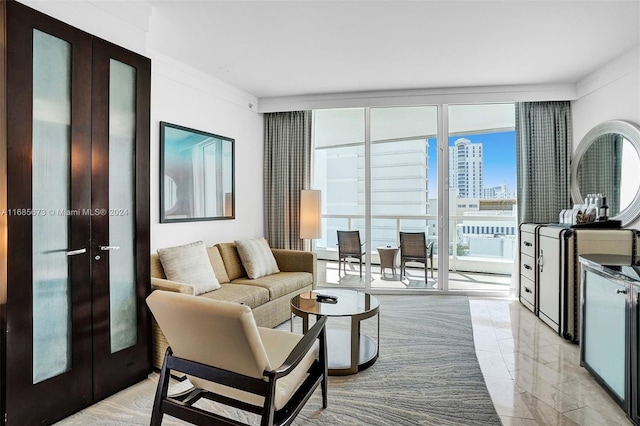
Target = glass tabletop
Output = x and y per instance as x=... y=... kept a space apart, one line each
x=349 y=302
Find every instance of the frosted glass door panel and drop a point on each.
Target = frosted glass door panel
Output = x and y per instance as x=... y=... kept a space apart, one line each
x=604 y=330
x=50 y=204
x=122 y=259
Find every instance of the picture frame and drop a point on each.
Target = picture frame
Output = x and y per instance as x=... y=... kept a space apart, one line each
x=197 y=175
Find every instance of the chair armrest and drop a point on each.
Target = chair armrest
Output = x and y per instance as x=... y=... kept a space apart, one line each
x=300 y=350
x=168 y=285
x=297 y=261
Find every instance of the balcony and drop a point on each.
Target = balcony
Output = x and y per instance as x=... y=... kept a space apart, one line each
x=485 y=246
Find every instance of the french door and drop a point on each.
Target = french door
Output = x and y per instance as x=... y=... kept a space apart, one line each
x=78 y=223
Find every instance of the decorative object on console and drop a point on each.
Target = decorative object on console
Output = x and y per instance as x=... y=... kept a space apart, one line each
x=196 y=175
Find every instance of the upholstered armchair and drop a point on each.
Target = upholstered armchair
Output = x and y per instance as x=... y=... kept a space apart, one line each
x=230 y=360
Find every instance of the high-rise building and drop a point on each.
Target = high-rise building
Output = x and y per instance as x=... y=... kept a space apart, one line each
x=465 y=168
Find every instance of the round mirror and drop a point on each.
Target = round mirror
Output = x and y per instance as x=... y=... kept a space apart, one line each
x=607 y=162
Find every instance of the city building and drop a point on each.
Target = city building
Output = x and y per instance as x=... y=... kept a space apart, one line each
x=465 y=168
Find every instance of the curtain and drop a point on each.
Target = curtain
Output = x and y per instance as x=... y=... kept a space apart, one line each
x=543 y=170
x=287 y=171
x=600 y=170
x=543 y=152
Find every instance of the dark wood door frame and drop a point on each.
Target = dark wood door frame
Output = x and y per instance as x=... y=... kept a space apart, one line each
x=95 y=372
x=108 y=377
x=27 y=403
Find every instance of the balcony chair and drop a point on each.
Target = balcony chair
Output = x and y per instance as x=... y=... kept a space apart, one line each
x=230 y=360
x=413 y=248
x=349 y=246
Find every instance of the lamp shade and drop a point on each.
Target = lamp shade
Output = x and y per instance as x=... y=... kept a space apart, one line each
x=310 y=214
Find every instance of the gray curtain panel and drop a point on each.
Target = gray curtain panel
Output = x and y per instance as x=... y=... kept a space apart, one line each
x=543 y=151
x=287 y=171
x=600 y=170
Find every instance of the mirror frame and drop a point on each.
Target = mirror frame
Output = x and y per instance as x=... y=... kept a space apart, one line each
x=629 y=131
x=163 y=164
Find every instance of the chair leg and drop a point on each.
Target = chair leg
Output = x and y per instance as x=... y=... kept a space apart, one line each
x=360 y=267
x=431 y=260
x=323 y=362
x=161 y=393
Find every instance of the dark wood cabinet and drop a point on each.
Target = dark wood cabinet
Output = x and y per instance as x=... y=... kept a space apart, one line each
x=74 y=263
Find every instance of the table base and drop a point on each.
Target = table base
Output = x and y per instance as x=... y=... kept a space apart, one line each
x=339 y=352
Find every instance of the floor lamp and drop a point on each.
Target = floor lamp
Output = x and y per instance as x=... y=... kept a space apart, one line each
x=310 y=215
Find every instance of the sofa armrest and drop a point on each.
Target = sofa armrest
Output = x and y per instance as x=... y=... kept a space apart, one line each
x=168 y=285
x=297 y=261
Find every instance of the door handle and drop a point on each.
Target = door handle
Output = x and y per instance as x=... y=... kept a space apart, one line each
x=541 y=260
x=108 y=248
x=618 y=291
x=75 y=252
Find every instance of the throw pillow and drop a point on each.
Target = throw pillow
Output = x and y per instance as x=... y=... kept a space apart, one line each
x=189 y=264
x=256 y=257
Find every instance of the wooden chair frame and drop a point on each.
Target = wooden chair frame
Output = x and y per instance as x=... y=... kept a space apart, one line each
x=181 y=405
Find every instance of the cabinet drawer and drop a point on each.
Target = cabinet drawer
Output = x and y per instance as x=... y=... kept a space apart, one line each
x=527 y=292
x=528 y=267
x=526 y=243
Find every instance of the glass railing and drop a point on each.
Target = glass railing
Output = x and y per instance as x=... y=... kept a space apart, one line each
x=479 y=243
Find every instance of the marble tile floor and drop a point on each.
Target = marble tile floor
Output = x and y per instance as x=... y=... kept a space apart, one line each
x=533 y=375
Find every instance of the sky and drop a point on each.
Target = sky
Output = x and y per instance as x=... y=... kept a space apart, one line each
x=499 y=159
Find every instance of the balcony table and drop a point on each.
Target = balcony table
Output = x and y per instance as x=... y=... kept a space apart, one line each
x=388 y=256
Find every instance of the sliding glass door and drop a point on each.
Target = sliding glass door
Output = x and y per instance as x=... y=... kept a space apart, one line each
x=482 y=196
x=339 y=172
x=404 y=192
x=383 y=172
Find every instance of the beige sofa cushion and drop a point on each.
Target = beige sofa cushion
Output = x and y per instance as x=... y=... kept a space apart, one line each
x=256 y=257
x=279 y=284
x=189 y=263
x=252 y=296
x=231 y=259
x=278 y=344
x=217 y=264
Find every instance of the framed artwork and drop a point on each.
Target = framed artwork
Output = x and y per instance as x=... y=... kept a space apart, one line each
x=196 y=175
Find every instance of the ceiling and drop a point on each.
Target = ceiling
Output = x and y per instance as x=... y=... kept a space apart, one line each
x=288 y=48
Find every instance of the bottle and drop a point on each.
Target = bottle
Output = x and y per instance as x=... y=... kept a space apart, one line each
x=603 y=210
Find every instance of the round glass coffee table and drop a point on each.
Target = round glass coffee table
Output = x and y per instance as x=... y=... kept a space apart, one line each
x=348 y=350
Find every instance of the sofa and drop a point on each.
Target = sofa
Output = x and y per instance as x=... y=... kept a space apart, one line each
x=268 y=296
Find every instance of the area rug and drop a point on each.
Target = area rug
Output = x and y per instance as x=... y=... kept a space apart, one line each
x=427 y=373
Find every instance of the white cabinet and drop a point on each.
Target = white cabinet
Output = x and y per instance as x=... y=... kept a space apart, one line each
x=556 y=271
x=528 y=266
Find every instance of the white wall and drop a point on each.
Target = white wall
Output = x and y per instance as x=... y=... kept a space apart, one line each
x=610 y=93
x=184 y=96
